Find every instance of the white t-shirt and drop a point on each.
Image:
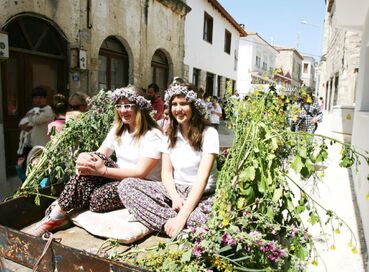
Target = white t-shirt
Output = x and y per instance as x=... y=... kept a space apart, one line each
x=214 y=118
x=129 y=152
x=39 y=118
x=186 y=161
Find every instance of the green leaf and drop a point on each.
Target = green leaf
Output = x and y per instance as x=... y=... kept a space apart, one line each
x=240 y=203
x=277 y=194
x=186 y=257
x=297 y=164
x=314 y=218
x=274 y=144
x=248 y=174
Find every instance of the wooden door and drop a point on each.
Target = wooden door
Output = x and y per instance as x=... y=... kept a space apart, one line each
x=20 y=74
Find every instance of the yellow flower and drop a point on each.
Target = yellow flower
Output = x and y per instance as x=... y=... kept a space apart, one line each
x=315 y=262
x=225 y=222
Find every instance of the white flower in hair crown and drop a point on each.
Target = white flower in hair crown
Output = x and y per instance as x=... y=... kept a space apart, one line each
x=190 y=95
x=130 y=94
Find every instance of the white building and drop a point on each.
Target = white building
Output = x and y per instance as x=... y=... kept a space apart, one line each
x=256 y=62
x=308 y=71
x=211 y=46
x=357 y=20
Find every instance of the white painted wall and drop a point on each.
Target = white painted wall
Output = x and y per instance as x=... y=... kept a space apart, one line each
x=201 y=54
x=360 y=132
x=358 y=20
x=308 y=78
x=250 y=47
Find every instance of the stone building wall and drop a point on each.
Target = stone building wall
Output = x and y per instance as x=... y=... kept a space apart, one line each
x=341 y=57
x=142 y=26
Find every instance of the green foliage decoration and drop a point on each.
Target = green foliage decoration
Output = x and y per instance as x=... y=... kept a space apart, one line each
x=82 y=133
x=256 y=223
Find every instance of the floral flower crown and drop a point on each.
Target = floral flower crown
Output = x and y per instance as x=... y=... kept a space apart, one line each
x=131 y=95
x=191 y=96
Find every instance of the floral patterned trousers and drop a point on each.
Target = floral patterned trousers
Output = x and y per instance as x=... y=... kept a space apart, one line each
x=95 y=193
x=149 y=202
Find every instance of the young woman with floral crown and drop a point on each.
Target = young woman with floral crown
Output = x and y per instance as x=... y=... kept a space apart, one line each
x=135 y=137
x=189 y=173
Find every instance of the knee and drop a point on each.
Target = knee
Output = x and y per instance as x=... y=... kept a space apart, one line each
x=126 y=187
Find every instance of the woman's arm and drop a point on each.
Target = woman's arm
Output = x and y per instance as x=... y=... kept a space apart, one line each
x=168 y=182
x=176 y=224
x=140 y=170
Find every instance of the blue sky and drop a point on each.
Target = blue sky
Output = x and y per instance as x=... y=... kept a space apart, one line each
x=280 y=21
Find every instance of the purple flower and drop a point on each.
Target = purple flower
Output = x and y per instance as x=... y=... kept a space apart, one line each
x=228 y=240
x=255 y=234
x=193 y=229
x=306 y=236
x=294 y=230
x=197 y=250
x=270 y=246
x=276 y=254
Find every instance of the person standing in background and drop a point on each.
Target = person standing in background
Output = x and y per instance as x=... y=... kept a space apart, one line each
x=321 y=103
x=34 y=125
x=78 y=102
x=157 y=102
x=60 y=107
x=215 y=112
x=38 y=117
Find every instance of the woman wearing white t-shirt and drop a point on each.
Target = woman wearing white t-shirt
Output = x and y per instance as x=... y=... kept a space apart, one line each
x=189 y=173
x=135 y=138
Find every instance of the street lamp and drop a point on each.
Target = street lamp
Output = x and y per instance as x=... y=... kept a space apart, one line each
x=304 y=22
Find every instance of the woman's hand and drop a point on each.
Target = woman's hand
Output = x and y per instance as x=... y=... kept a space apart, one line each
x=174 y=226
x=88 y=164
x=177 y=203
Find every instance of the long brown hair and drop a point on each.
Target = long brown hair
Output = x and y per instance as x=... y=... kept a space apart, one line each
x=197 y=125
x=143 y=120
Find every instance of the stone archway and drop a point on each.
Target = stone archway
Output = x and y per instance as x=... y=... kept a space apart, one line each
x=37 y=56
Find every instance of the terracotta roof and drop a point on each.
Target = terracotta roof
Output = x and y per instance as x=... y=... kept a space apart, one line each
x=226 y=15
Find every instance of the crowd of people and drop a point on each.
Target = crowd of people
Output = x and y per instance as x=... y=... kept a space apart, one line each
x=42 y=122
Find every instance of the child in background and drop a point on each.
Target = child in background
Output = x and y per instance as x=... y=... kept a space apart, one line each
x=60 y=107
x=32 y=159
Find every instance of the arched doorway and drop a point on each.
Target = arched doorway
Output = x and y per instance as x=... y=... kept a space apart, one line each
x=37 y=56
x=160 y=70
x=113 y=65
